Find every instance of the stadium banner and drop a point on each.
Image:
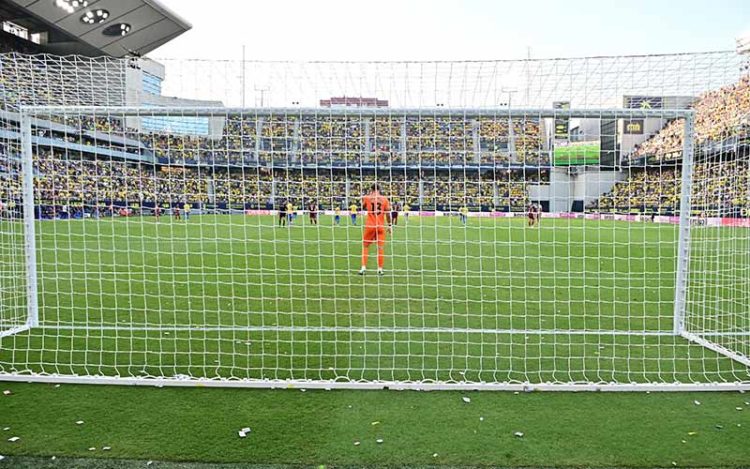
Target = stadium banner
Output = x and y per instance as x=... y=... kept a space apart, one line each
x=643 y=102
x=562 y=124
x=736 y=222
x=633 y=126
x=699 y=221
x=261 y=212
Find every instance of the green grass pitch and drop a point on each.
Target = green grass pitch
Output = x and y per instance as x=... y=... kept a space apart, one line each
x=238 y=297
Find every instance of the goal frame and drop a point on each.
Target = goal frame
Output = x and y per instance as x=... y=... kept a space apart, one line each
x=29 y=113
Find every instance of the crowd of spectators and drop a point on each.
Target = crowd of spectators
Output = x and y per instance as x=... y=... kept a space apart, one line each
x=718 y=187
x=66 y=178
x=355 y=140
x=718 y=114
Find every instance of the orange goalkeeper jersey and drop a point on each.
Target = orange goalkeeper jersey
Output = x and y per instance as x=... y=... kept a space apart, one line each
x=377 y=206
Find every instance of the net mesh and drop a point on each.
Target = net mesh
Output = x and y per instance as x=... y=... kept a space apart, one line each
x=526 y=247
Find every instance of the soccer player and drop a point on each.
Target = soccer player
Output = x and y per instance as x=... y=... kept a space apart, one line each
x=377 y=223
x=289 y=212
x=463 y=213
x=337 y=215
x=353 y=213
x=407 y=209
x=187 y=208
x=538 y=214
x=282 y=213
x=313 y=213
x=394 y=212
x=176 y=212
x=157 y=212
x=533 y=214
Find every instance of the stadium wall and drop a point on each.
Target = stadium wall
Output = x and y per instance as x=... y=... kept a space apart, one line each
x=570 y=186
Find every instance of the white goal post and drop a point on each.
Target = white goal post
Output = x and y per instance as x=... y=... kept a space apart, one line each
x=193 y=283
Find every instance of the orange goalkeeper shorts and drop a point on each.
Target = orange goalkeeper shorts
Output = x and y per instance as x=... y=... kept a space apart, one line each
x=374 y=235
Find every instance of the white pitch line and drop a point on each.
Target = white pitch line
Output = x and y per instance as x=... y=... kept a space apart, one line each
x=361 y=329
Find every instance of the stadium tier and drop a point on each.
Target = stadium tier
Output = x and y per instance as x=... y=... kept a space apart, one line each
x=572 y=243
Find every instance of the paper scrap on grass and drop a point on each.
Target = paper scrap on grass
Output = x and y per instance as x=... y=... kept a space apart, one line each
x=379 y=440
x=697 y=402
x=79 y=422
x=13 y=439
x=466 y=399
x=518 y=434
x=7 y=392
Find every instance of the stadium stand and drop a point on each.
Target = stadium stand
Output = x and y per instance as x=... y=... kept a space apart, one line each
x=721 y=174
x=430 y=162
x=718 y=113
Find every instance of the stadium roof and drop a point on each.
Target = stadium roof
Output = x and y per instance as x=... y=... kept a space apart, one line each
x=96 y=27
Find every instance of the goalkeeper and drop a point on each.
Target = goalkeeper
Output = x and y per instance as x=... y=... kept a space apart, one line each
x=377 y=222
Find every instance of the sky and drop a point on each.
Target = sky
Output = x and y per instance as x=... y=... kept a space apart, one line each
x=451 y=29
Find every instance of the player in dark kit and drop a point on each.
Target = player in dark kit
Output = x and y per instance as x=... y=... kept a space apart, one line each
x=394 y=212
x=533 y=214
x=313 y=213
x=282 y=213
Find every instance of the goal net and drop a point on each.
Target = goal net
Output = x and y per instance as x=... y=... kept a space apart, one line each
x=567 y=236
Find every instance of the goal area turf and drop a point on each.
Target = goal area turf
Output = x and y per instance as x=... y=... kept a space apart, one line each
x=236 y=297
